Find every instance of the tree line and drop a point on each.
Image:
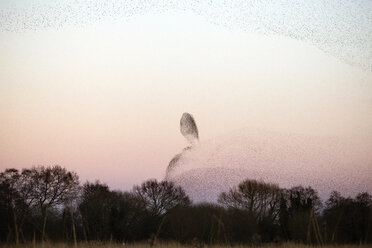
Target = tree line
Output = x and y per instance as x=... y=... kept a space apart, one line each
x=48 y=203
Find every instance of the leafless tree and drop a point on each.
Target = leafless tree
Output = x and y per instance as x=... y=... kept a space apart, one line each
x=258 y=198
x=160 y=197
x=52 y=186
x=17 y=188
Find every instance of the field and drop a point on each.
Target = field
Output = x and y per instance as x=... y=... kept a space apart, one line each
x=168 y=245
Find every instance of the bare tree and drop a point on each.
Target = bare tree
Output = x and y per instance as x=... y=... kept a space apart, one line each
x=258 y=198
x=304 y=198
x=10 y=196
x=16 y=189
x=52 y=185
x=303 y=207
x=160 y=197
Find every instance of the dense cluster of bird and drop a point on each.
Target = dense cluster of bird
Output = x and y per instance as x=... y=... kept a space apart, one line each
x=341 y=28
x=206 y=169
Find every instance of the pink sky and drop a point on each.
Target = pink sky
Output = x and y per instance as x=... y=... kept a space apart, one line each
x=105 y=100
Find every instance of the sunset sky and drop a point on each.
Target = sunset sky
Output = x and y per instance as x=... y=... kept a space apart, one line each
x=104 y=99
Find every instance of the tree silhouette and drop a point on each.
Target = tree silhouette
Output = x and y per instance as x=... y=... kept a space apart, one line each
x=16 y=191
x=52 y=185
x=160 y=197
x=50 y=198
x=260 y=199
x=347 y=219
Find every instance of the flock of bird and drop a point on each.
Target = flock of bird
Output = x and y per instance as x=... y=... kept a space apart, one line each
x=205 y=169
x=341 y=28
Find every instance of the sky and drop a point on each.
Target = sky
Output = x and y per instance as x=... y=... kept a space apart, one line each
x=101 y=92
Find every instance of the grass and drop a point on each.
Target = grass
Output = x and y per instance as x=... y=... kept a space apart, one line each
x=166 y=245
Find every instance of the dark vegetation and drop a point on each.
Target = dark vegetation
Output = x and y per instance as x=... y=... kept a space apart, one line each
x=49 y=204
